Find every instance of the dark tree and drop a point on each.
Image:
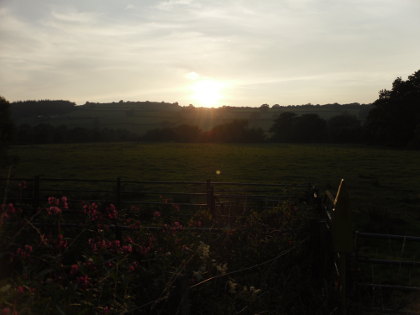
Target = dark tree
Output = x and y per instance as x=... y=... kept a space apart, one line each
x=395 y=118
x=310 y=128
x=6 y=129
x=344 y=128
x=235 y=131
x=283 y=127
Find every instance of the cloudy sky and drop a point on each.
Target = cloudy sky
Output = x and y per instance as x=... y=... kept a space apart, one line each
x=207 y=52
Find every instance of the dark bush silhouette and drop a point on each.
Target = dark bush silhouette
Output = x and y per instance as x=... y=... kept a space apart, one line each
x=6 y=129
x=289 y=127
x=344 y=128
x=182 y=133
x=234 y=131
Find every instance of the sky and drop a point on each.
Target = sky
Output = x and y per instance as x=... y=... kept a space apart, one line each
x=207 y=52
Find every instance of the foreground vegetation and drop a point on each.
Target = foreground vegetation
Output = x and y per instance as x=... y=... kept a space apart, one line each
x=164 y=264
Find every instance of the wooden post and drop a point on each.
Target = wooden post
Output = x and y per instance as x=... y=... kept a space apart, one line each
x=36 y=192
x=118 y=232
x=210 y=198
x=118 y=192
x=342 y=237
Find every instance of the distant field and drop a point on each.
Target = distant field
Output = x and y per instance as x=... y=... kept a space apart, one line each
x=139 y=121
x=384 y=184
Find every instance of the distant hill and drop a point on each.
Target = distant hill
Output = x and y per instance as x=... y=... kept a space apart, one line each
x=140 y=117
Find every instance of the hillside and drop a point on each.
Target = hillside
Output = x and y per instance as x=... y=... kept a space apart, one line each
x=139 y=117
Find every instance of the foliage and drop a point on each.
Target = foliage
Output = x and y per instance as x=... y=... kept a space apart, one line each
x=51 y=266
x=289 y=127
x=42 y=107
x=234 y=131
x=395 y=117
x=6 y=128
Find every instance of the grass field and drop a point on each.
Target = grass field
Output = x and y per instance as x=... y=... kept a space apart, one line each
x=384 y=184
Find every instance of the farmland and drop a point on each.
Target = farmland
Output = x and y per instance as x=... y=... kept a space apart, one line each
x=383 y=183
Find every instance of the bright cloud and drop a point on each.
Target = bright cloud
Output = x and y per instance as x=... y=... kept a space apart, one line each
x=286 y=52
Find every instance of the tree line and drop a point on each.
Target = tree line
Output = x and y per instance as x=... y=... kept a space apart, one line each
x=393 y=120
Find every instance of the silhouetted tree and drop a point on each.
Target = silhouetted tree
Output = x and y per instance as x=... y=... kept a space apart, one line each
x=235 y=131
x=395 y=118
x=283 y=127
x=310 y=128
x=344 y=128
x=289 y=127
x=6 y=128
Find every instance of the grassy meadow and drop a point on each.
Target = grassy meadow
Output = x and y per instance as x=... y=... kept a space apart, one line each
x=383 y=183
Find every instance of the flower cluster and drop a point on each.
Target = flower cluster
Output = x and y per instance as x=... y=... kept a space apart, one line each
x=24 y=252
x=6 y=211
x=91 y=210
x=56 y=205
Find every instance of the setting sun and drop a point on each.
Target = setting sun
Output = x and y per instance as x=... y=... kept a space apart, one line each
x=207 y=93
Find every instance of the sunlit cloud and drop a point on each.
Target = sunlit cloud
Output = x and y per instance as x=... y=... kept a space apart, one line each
x=269 y=51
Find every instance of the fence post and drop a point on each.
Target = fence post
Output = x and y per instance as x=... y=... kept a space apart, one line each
x=210 y=198
x=342 y=237
x=36 y=192
x=118 y=232
x=118 y=192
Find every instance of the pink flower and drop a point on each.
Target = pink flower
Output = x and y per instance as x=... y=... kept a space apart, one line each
x=111 y=211
x=53 y=210
x=74 y=269
x=64 y=202
x=83 y=281
x=127 y=249
x=134 y=266
x=24 y=252
x=61 y=242
x=156 y=214
x=21 y=289
x=91 y=211
x=8 y=311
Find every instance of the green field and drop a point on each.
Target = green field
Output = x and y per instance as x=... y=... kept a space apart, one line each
x=384 y=184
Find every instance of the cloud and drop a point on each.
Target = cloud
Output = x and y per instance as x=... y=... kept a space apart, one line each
x=144 y=48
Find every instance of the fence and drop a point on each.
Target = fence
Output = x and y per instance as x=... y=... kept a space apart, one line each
x=341 y=250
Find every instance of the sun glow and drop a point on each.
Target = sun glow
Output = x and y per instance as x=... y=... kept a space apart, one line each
x=204 y=91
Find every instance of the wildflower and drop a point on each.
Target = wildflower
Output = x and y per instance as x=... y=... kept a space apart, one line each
x=112 y=211
x=52 y=201
x=222 y=268
x=134 y=266
x=53 y=210
x=176 y=226
x=24 y=252
x=203 y=250
x=74 y=269
x=8 y=311
x=232 y=286
x=91 y=211
x=20 y=289
x=127 y=249
x=156 y=214
x=61 y=242
x=83 y=281
x=64 y=202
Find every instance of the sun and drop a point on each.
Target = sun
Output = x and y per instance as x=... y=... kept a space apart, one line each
x=207 y=92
